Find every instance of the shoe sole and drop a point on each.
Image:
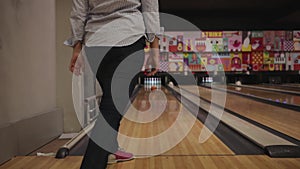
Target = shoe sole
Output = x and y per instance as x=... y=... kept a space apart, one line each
x=121 y=160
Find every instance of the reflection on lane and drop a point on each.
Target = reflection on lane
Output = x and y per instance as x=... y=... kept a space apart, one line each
x=272 y=96
x=278 y=118
x=281 y=87
x=292 y=84
x=151 y=105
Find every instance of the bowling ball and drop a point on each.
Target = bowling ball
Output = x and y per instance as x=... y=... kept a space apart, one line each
x=238 y=83
x=153 y=87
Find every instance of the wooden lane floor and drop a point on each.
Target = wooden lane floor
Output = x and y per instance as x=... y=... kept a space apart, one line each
x=165 y=120
x=277 y=86
x=161 y=162
x=269 y=95
x=188 y=154
x=292 y=84
x=280 y=119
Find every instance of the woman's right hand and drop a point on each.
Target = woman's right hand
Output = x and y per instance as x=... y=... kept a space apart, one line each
x=76 y=61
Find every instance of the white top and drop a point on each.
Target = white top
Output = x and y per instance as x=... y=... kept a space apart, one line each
x=113 y=22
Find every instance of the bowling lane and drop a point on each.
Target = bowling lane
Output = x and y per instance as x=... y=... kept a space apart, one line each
x=280 y=119
x=278 y=86
x=143 y=122
x=269 y=95
x=292 y=84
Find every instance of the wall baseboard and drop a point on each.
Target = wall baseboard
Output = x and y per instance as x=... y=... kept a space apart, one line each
x=8 y=143
x=25 y=136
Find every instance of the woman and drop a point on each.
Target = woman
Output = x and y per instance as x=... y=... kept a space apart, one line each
x=114 y=30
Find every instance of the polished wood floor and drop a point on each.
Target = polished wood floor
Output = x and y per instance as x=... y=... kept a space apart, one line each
x=161 y=162
x=280 y=119
x=188 y=154
x=174 y=112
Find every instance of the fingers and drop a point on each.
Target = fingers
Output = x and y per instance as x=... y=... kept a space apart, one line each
x=73 y=62
x=153 y=72
x=71 y=67
x=75 y=65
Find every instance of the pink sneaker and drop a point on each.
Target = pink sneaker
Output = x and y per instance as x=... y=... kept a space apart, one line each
x=119 y=156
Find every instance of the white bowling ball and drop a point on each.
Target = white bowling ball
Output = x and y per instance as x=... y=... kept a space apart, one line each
x=239 y=83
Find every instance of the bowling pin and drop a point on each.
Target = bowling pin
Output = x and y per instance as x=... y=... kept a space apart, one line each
x=159 y=83
x=152 y=81
x=148 y=83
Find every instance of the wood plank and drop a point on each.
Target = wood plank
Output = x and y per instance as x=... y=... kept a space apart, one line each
x=280 y=119
x=162 y=162
x=260 y=136
x=188 y=154
x=174 y=111
x=189 y=145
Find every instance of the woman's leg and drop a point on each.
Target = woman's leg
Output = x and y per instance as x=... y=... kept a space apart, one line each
x=104 y=135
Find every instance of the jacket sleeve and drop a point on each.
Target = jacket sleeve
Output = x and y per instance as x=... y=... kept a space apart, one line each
x=150 y=10
x=78 y=19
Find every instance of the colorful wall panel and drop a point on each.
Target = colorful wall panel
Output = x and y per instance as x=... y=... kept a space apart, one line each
x=230 y=51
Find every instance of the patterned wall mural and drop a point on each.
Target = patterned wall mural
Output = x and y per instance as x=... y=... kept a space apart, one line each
x=230 y=51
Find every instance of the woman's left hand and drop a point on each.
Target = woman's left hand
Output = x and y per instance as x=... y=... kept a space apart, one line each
x=152 y=73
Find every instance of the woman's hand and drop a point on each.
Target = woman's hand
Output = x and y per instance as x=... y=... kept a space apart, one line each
x=76 y=61
x=153 y=72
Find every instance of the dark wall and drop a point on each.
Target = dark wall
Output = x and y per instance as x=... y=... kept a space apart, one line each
x=236 y=14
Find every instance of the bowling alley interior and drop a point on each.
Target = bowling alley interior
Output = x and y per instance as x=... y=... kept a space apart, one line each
x=226 y=94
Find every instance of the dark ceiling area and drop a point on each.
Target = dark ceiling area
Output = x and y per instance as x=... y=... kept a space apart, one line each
x=236 y=14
